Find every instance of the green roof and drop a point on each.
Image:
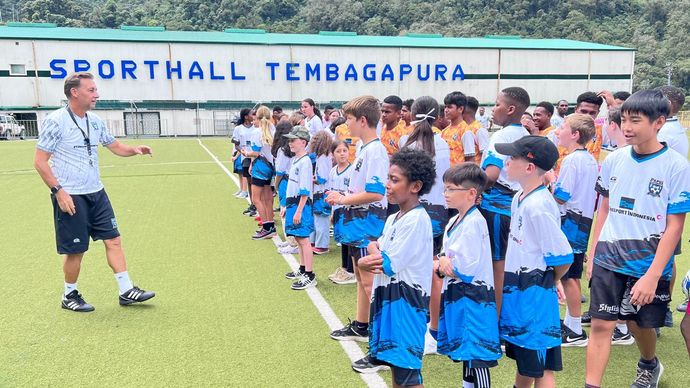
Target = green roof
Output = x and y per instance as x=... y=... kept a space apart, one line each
x=48 y=31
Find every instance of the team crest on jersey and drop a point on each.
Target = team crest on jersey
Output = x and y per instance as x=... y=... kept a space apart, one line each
x=655 y=187
x=359 y=164
x=346 y=181
x=519 y=222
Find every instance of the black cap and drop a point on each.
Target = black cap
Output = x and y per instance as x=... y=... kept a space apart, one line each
x=536 y=149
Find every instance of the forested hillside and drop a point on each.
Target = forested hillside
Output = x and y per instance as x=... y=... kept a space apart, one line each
x=658 y=29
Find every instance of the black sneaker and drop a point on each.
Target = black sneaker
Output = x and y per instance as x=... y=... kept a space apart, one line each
x=249 y=210
x=304 y=282
x=364 y=365
x=648 y=378
x=263 y=234
x=586 y=319
x=74 y=302
x=619 y=338
x=570 y=338
x=350 y=333
x=135 y=295
x=294 y=275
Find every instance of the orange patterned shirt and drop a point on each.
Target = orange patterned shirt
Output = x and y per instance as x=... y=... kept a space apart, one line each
x=391 y=138
x=546 y=131
x=342 y=132
x=474 y=127
x=453 y=135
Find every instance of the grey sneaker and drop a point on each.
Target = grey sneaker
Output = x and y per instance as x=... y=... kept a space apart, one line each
x=683 y=306
x=365 y=365
x=648 y=378
x=619 y=338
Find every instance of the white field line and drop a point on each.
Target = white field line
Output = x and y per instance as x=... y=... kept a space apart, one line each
x=351 y=348
x=31 y=170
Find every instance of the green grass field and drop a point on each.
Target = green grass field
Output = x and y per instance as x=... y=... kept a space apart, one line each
x=223 y=315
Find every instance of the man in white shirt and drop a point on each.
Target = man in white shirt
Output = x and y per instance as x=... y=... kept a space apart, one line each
x=484 y=118
x=67 y=161
x=561 y=112
x=673 y=133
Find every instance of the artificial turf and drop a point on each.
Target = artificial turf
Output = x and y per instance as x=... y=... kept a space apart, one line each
x=224 y=315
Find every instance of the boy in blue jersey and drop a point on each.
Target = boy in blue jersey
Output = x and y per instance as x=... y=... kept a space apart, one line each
x=537 y=256
x=646 y=193
x=403 y=270
x=468 y=323
x=364 y=205
x=495 y=206
x=298 y=213
x=576 y=198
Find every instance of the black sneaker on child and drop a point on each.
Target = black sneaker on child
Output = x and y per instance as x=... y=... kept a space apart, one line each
x=586 y=319
x=74 y=302
x=648 y=378
x=618 y=338
x=248 y=212
x=294 y=275
x=135 y=295
x=263 y=234
x=364 y=365
x=350 y=333
x=570 y=338
x=304 y=282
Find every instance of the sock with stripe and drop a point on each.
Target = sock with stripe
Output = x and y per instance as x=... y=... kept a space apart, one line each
x=69 y=287
x=123 y=282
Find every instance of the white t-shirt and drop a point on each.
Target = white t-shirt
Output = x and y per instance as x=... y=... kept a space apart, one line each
x=282 y=163
x=324 y=164
x=466 y=243
x=673 y=134
x=301 y=179
x=536 y=244
x=484 y=119
x=74 y=165
x=313 y=124
x=434 y=201
x=556 y=120
x=642 y=190
x=241 y=134
x=496 y=199
x=257 y=145
x=575 y=186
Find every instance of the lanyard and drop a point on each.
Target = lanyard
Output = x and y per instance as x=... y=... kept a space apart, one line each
x=86 y=135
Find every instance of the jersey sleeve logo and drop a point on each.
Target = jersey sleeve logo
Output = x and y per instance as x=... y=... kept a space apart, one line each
x=655 y=187
x=358 y=166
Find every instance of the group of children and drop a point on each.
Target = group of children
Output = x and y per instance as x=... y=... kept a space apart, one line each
x=471 y=251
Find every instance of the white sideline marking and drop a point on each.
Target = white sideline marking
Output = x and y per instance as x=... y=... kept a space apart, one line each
x=32 y=171
x=351 y=348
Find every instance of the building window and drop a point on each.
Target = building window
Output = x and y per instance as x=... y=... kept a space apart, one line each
x=17 y=69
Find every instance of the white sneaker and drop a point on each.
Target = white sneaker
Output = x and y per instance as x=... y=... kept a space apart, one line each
x=288 y=250
x=282 y=244
x=243 y=194
x=237 y=193
x=429 y=344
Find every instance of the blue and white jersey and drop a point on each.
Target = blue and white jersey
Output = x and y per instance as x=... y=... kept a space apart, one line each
x=400 y=295
x=536 y=244
x=434 y=202
x=324 y=164
x=74 y=165
x=282 y=166
x=468 y=324
x=364 y=223
x=300 y=183
x=338 y=181
x=575 y=186
x=498 y=198
x=642 y=191
x=262 y=167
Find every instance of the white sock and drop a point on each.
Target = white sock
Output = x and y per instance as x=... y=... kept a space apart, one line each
x=69 y=287
x=123 y=282
x=574 y=323
x=622 y=327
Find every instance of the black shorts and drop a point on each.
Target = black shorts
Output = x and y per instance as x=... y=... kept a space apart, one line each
x=246 y=162
x=438 y=244
x=610 y=299
x=94 y=218
x=402 y=376
x=356 y=253
x=499 y=228
x=260 y=182
x=575 y=270
x=533 y=363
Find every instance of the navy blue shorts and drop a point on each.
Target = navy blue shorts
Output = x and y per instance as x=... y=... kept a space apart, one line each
x=94 y=218
x=401 y=376
x=576 y=268
x=499 y=228
x=533 y=363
